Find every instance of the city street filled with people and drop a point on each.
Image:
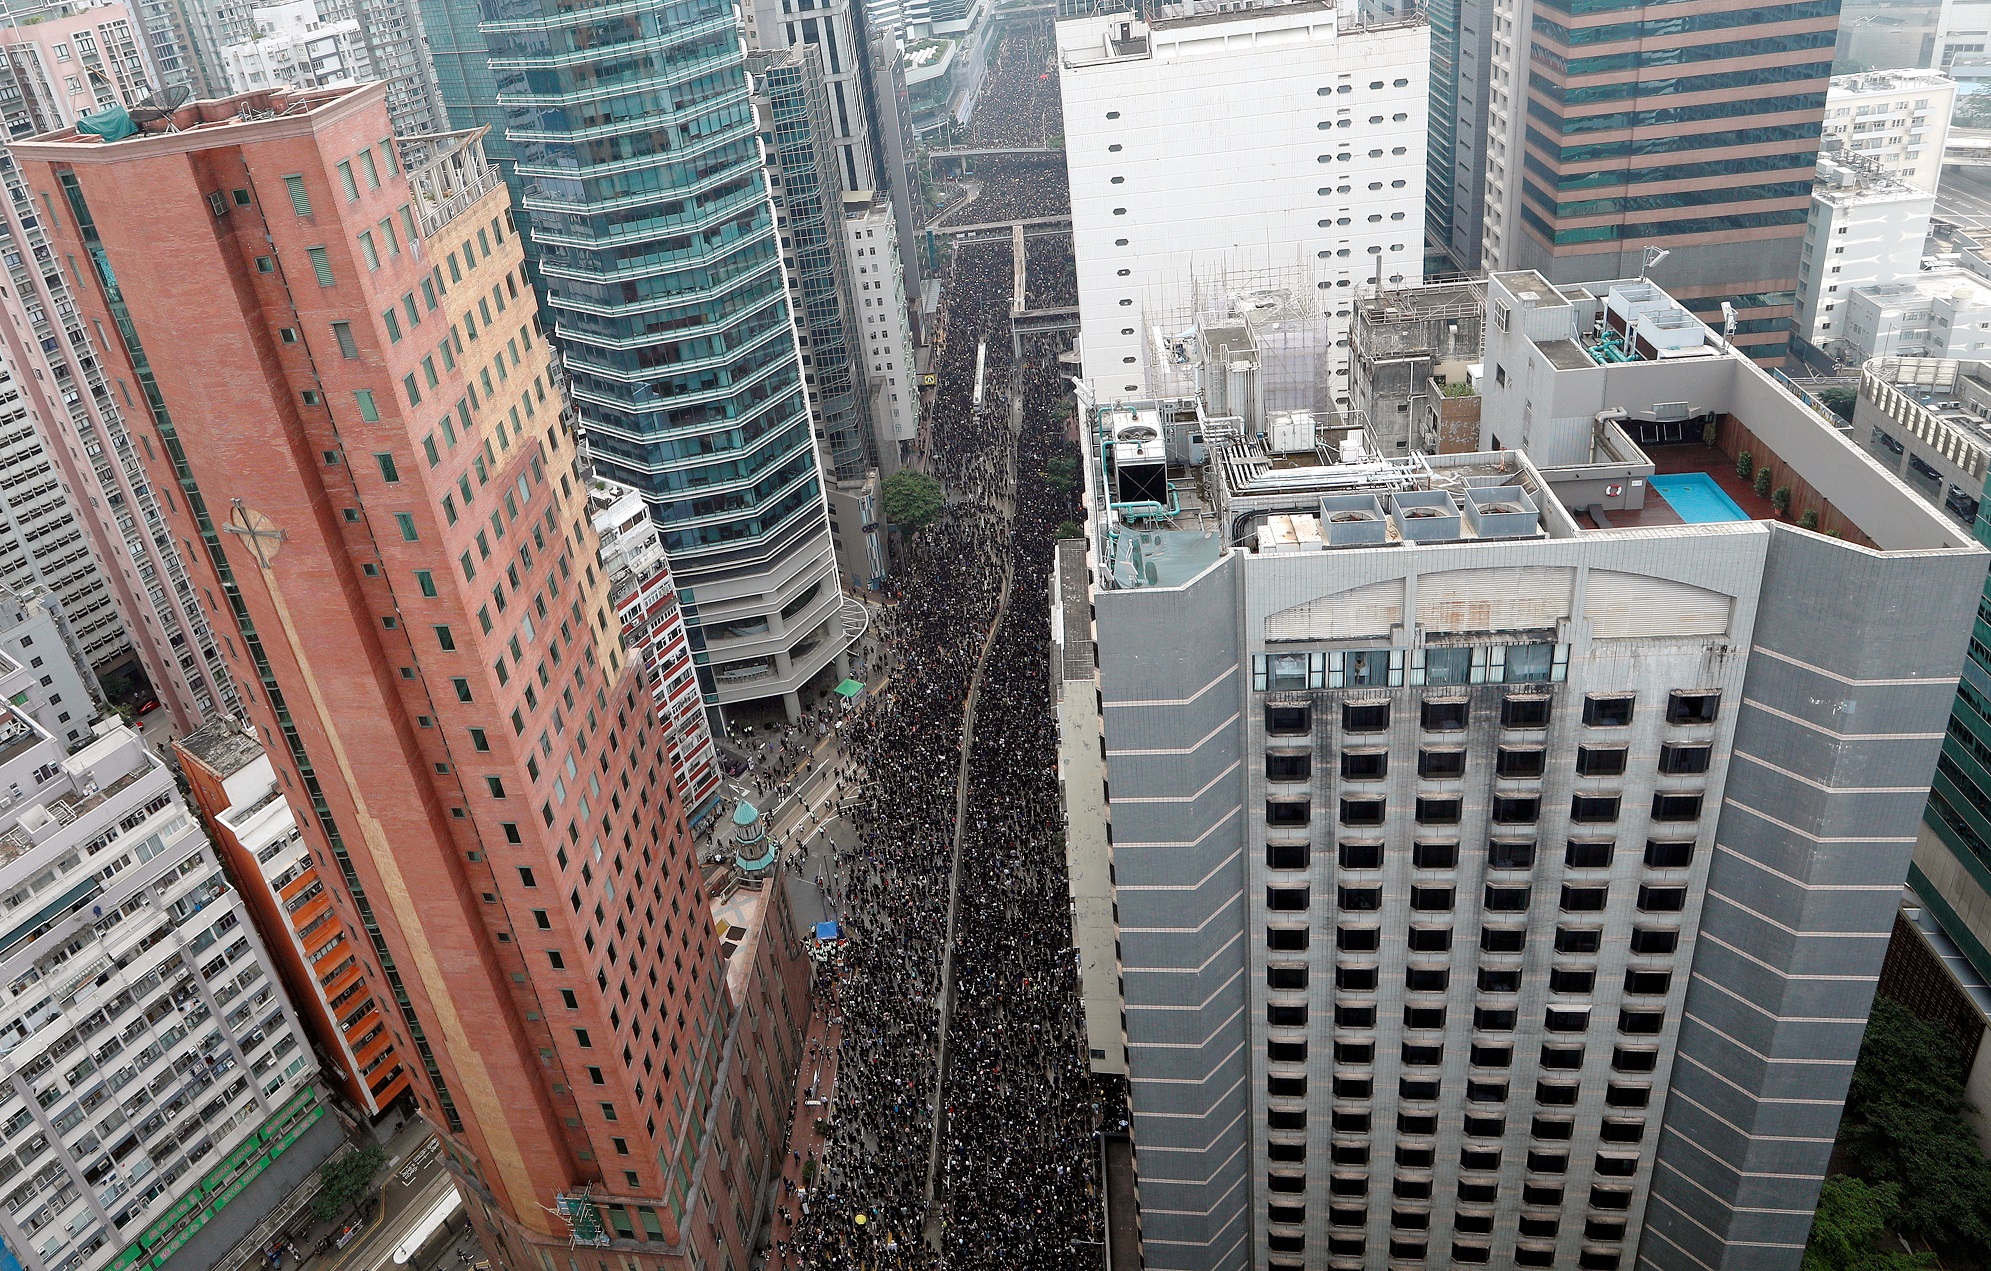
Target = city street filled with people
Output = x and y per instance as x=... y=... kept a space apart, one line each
x=961 y=1127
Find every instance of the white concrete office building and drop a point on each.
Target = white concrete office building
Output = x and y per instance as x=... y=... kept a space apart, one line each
x=1898 y=119
x=1864 y=228
x=1221 y=158
x=883 y=336
x=1505 y=844
x=1940 y=313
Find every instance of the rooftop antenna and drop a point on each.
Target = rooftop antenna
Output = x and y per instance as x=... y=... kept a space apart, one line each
x=1653 y=255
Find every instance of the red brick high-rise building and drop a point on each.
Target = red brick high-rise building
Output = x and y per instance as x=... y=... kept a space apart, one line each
x=331 y=341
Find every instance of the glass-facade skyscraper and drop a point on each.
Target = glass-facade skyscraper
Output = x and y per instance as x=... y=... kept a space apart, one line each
x=640 y=170
x=801 y=152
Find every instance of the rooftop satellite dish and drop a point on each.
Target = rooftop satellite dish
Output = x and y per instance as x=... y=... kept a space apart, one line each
x=160 y=105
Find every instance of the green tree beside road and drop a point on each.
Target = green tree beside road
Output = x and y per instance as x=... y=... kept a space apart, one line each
x=345 y=1180
x=913 y=500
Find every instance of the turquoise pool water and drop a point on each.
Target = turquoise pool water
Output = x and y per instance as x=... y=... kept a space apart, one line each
x=1696 y=497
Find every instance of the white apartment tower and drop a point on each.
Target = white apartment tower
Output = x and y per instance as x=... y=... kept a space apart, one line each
x=1268 y=154
x=151 y=1067
x=1899 y=120
x=1864 y=228
x=883 y=336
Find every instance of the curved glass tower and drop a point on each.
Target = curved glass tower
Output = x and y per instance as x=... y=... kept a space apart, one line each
x=642 y=178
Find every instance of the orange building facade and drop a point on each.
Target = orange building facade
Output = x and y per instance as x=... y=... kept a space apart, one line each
x=235 y=788
x=332 y=342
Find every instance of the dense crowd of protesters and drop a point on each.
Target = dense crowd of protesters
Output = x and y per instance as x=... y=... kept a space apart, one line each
x=961 y=1128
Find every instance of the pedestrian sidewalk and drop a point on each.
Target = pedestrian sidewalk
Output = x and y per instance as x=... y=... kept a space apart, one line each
x=805 y=1144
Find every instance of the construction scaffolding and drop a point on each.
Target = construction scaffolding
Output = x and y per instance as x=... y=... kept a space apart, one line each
x=1264 y=319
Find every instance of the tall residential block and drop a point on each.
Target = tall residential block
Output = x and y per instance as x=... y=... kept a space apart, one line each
x=157 y=1095
x=398 y=556
x=645 y=599
x=256 y=834
x=1864 y=227
x=1184 y=206
x=882 y=323
x=61 y=695
x=142 y=613
x=1625 y=129
x=1505 y=844
x=662 y=266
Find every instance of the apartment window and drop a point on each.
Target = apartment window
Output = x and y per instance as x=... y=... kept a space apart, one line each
x=1358 y=939
x=1520 y=762
x=321 y=265
x=1589 y=808
x=388 y=472
x=1503 y=939
x=1444 y=716
x=1676 y=807
x=1510 y=854
x=1431 y=899
x=1355 y=979
x=426 y=581
x=1679 y=760
x=462 y=687
x=1286 y=855
x=1364 y=765
x=1445 y=665
x=1506 y=899
x=444 y=639
x=343 y=333
x=1439 y=811
x=1516 y=810
x=1684 y=707
x=368 y=409
x=1287 y=721
x=1578 y=940
x=407 y=524
x=1665 y=900
x=1441 y=764
x=1600 y=761
x=1588 y=853
x=1430 y=939
x=1364 y=718
x=1646 y=940
x=1358 y=855
x=1431 y=855
x=1283 y=767
x=1601 y=710
x=1360 y=899
x=346 y=181
x=1524 y=712
x=1286 y=977
x=1360 y=812
x=300 y=198
x=1287 y=813
x=1286 y=899
x=369 y=249
x=1583 y=899
x=1286 y=939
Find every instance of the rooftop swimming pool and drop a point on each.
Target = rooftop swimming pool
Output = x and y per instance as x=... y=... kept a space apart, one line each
x=1697 y=498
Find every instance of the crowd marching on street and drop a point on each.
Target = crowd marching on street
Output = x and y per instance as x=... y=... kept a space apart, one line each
x=961 y=1132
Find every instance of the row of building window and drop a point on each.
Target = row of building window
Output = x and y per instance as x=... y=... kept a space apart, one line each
x=1531 y=711
x=1575 y=899
x=1518 y=763
x=1501 y=854
x=1361 y=812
